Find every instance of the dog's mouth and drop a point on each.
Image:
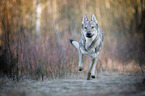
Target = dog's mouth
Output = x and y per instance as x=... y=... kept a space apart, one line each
x=89 y=36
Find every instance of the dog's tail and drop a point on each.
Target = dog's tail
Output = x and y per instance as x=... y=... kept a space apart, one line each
x=74 y=43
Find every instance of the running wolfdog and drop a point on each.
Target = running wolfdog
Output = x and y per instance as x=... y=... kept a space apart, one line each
x=90 y=44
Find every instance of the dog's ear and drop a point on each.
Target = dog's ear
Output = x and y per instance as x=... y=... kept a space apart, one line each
x=84 y=19
x=94 y=19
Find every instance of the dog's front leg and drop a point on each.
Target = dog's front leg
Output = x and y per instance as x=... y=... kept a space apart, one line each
x=81 y=66
x=94 y=66
x=77 y=46
x=94 y=69
x=93 y=61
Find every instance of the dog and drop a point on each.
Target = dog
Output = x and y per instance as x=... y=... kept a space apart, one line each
x=90 y=44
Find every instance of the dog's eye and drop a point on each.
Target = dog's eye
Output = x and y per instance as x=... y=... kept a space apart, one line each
x=92 y=27
x=85 y=27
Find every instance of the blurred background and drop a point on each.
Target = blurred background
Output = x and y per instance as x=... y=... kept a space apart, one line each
x=34 y=36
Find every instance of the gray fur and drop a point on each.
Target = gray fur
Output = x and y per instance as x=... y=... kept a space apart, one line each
x=90 y=43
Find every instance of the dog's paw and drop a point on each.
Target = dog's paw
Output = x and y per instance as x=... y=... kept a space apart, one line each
x=93 y=76
x=74 y=43
x=81 y=68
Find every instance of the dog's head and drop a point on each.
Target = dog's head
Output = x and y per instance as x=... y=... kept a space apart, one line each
x=89 y=28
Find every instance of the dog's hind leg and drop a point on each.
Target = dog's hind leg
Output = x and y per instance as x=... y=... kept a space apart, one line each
x=76 y=45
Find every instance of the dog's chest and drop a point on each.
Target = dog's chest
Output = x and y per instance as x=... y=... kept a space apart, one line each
x=88 y=45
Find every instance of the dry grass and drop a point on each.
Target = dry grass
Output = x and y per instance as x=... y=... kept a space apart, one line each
x=49 y=53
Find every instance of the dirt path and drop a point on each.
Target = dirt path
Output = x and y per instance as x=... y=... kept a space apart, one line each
x=106 y=84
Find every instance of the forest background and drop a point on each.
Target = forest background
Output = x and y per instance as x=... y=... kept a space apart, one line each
x=34 y=36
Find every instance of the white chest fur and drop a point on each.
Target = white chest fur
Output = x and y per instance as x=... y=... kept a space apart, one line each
x=89 y=41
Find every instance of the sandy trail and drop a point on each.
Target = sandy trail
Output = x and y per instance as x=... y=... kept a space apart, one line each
x=106 y=84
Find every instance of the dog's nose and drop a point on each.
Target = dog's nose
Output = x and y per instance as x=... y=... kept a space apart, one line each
x=89 y=33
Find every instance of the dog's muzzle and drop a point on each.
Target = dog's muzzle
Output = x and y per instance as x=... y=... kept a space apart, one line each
x=89 y=35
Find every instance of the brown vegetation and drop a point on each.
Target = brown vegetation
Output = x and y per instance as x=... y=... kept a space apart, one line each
x=34 y=35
